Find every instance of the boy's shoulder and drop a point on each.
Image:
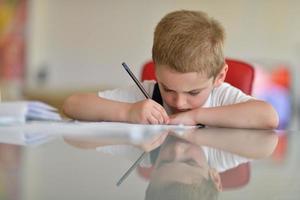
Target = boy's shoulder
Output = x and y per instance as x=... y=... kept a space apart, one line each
x=129 y=93
x=222 y=160
x=226 y=94
x=226 y=87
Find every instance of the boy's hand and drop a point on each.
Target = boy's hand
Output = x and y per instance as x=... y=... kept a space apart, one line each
x=147 y=112
x=154 y=142
x=185 y=118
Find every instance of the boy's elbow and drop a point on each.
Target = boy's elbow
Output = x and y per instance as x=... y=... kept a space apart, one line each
x=273 y=122
x=272 y=117
x=68 y=105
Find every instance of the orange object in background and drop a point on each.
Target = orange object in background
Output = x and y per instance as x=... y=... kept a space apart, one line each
x=281 y=76
x=279 y=153
x=12 y=39
x=12 y=58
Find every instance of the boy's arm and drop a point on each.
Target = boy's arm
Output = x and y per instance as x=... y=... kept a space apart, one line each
x=90 y=107
x=244 y=142
x=250 y=114
x=92 y=143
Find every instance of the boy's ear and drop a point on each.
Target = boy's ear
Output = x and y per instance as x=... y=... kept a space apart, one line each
x=216 y=178
x=220 y=78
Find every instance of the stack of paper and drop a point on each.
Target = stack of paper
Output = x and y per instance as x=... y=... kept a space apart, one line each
x=21 y=111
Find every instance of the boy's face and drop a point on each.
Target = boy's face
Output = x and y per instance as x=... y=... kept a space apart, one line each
x=185 y=161
x=182 y=161
x=184 y=91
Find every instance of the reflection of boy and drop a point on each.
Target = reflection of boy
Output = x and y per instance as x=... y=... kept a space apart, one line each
x=190 y=70
x=186 y=171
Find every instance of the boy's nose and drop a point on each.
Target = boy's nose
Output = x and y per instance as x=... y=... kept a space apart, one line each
x=180 y=102
x=178 y=150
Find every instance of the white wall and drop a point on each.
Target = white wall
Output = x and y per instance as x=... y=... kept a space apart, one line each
x=83 y=42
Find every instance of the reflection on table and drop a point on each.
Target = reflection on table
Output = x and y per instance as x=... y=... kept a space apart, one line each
x=200 y=162
x=186 y=169
x=190 y=163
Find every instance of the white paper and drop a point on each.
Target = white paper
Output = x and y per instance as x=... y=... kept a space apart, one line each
x=21 y=111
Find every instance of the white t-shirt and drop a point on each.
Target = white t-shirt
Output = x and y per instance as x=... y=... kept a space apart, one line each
x=223 y=95
x=216 y=158
x=222 y=160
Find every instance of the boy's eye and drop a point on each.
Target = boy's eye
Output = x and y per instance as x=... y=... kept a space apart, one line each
x=194 y=93
x=167 y=90
x=191 y=162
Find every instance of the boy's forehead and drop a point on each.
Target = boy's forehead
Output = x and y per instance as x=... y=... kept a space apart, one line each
x=182 y=81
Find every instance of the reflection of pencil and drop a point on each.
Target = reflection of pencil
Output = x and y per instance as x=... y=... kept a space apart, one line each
x=131 y=168
x=144 y=153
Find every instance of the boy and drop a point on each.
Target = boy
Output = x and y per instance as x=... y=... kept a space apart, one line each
x=190 y=71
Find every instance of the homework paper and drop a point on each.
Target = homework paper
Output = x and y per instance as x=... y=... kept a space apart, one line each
x=133 y=132
x=21 y=111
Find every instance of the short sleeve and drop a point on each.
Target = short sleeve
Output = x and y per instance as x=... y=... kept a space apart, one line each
x=222 y=160
x=227 y=94
x=130 y=94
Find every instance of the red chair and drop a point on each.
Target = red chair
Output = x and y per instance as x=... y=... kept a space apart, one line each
x=240 y=75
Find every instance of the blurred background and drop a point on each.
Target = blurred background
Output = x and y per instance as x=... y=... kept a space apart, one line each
x=53 y=48
x=50 y=49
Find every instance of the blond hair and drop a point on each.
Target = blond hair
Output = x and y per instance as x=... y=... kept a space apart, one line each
x=189 y=41
x=176 y=190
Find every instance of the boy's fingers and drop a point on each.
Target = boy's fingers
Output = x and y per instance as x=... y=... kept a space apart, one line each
x=158 y=116
x=158 y=108
x=165 y=116
x=163 y=113
x=157 y=142
x=152 y=120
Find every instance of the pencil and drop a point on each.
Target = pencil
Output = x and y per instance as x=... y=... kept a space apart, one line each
x=136 y=80
x=135 y=164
